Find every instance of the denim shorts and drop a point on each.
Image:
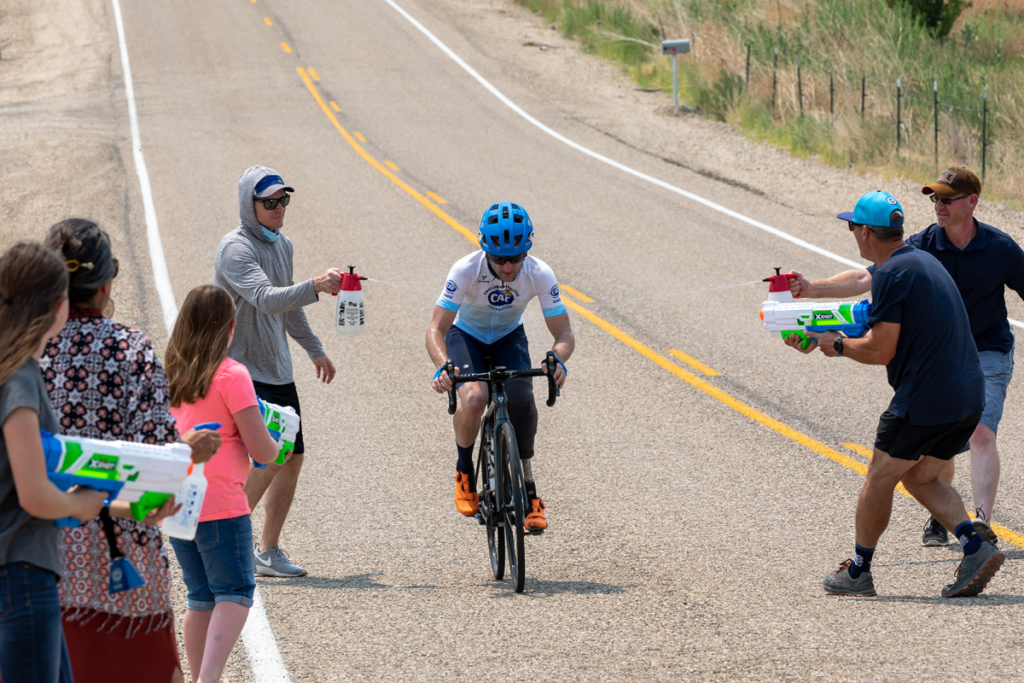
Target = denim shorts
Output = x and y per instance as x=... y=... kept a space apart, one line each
x=32 y=646
x=218 y=564
x=998 y=369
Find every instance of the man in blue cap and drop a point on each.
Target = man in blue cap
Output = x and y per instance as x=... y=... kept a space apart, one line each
x=982 y=261
x=921 y=333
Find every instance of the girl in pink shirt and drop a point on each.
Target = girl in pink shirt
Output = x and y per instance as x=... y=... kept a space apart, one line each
x=217 y=565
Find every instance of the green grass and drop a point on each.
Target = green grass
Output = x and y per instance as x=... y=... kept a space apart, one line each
x=849 y=38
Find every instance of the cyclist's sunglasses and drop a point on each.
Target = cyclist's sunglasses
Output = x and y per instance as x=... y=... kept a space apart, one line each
x=946 y=200
x=502 y=260
x=271 y=204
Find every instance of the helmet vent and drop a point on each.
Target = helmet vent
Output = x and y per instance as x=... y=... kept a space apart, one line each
x=504 y=212
x=491 y=220
x=518 y=218
x=519 y=238
x=517 y=207
x=494 y=207
x=506 y=236
x=494 y=240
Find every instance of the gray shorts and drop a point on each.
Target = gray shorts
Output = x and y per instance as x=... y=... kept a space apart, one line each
x=998 y=369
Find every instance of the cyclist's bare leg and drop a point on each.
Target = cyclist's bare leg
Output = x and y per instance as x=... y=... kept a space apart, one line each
x=472 y=405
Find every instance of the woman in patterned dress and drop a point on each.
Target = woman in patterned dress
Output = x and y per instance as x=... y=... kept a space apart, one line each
x=106 y=382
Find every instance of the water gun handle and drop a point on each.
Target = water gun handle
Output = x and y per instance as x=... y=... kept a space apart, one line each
x=66 y=481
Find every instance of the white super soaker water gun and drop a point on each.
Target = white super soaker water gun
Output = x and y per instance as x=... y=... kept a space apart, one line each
x=785 y=317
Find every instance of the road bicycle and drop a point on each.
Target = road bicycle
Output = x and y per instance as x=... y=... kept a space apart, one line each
x=499 y=472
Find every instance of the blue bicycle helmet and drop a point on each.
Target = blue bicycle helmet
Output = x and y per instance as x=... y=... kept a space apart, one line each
x=506 y=230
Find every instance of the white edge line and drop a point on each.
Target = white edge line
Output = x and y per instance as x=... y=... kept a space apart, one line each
x=265 y=659
x=615 y=164
x=622 y=167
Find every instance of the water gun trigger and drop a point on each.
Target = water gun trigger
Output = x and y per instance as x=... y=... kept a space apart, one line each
x=214 y=426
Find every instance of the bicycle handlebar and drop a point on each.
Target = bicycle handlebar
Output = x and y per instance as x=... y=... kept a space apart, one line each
x=501 y=374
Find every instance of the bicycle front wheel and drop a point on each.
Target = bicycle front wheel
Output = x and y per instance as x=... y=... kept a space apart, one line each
x=512 y=493
x=489 y=509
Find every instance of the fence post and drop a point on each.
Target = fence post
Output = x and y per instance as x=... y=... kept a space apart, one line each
x=935 y=90
x=984 y=125
x=775 y=66
x=899 y=98
x=800 y=87
x=748 y=64
x=831 y=96
x=863 y=94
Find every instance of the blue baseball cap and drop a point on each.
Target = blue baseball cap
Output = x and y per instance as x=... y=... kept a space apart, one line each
x=270 y=184
x=878 y=209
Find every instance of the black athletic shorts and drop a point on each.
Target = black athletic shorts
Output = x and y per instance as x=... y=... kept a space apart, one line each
x=905 y=441
x=283 y=395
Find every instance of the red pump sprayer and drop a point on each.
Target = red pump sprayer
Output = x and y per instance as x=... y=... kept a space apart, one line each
x=350 y=313
x=778 y=288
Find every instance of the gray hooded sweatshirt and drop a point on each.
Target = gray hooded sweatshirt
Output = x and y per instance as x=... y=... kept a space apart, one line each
x=258 y=275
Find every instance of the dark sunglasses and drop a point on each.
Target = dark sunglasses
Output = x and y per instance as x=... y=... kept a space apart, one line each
x=271 y=204
x=502 y=260
x=946 y=200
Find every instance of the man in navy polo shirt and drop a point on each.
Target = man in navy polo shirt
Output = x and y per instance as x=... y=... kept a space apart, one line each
x=921 y=333
x=982 y=261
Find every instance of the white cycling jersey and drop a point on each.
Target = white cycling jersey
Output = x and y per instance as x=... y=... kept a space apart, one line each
x=488 y=308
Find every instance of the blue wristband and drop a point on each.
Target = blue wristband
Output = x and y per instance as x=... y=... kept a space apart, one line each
x=438 y=373
x=564 y=369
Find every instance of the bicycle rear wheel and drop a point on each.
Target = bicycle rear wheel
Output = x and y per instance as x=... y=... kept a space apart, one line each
x=512 y=493
x=488 y=500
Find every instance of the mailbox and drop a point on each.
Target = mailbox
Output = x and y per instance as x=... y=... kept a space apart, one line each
x=675 y=47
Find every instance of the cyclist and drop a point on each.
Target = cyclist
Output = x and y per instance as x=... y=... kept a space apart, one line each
x=480 y=314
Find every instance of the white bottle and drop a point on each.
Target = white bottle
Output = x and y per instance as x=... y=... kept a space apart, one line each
x=183 y=525
x=778 y=289
x=350 y=314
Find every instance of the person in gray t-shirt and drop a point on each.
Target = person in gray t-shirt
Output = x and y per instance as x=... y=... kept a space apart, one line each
x=254 y=264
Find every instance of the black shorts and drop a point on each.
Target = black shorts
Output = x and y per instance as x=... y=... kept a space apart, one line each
x=905 y=441
x=283 y=395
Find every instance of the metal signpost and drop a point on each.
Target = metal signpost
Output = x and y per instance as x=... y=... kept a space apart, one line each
x=674 y=48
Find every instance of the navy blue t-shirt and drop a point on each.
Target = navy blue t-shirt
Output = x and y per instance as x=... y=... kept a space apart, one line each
x=989 y=262
x=935 y=373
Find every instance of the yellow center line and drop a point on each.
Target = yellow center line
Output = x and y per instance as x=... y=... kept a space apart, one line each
x=334 y=106
x=313 y=74
x=436 y=198
x=615 y=332
x=377 y=165
x=286 y=47
x=392 y=165
x=576 y=293
x=268 y=21
x=359 y=136
x=694 y=363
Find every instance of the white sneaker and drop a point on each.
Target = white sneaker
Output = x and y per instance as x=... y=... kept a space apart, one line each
x=274 y=562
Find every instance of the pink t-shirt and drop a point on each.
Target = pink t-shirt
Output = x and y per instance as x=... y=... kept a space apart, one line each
x=230 y=391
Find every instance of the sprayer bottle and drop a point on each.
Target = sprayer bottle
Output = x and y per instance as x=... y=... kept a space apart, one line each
x=778 y=288
x=183 y=524
x=350 y=314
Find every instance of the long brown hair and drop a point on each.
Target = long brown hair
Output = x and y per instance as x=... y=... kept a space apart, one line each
x=86 y=250
x=33 y=280
x=199 y=343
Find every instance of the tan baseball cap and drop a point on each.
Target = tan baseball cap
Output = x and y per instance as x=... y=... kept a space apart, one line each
x=954 y=181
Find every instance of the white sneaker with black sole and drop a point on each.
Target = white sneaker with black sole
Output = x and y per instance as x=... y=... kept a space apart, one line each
x=274 y=562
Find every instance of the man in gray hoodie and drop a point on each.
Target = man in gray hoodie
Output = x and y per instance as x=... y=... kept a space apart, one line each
x=254 y=264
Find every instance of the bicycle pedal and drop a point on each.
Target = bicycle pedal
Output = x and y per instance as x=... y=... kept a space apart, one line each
x=480 y=519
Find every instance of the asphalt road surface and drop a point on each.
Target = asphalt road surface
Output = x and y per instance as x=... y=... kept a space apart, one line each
x=692 y=512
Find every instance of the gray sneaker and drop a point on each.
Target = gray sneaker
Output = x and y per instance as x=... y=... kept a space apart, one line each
x=274 y=562
x=983 y=528
x=934 y=535
x=975 y=571
x=840 y=582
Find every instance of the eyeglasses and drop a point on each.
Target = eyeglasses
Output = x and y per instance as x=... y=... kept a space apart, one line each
x=946 y=200
x=271 y=204
x=502 y=260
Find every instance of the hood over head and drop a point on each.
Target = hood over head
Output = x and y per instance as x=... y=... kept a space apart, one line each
x=246 y=193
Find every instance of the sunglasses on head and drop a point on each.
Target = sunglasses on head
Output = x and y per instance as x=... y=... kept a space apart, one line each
x=502 y=260
x=271 y=204
x=946 y=200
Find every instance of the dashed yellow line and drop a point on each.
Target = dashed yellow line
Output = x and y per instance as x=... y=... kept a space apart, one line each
x=694 y=363
x=267 y=20
x=576 y=293
x=392 y=165
x=313 y=74
x=334 y=106
x=437 y=199
x=286 y=47
x=359 y=136
x=615 y=332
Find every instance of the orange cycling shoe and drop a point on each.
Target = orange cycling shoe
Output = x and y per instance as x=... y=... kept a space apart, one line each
x=536 y=522
x=466 y=502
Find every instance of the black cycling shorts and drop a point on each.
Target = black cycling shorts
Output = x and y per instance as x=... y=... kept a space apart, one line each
x=283 y=395
x=904 y=441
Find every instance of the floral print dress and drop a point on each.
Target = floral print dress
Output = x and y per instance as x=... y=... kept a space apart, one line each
x=106 y=382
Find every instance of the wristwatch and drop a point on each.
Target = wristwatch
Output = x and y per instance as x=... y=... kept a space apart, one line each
x=838 y=345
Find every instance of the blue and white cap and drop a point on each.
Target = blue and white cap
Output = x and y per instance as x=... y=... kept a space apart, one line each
x=877 y=209
x=269 y=185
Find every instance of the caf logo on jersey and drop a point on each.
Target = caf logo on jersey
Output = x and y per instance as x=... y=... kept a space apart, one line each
x=554 y=292
x=501 y=297
x=451 y=286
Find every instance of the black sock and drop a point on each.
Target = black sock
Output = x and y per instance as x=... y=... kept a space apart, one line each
x=531 y=489
x=861 y=561
x=969 y=538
